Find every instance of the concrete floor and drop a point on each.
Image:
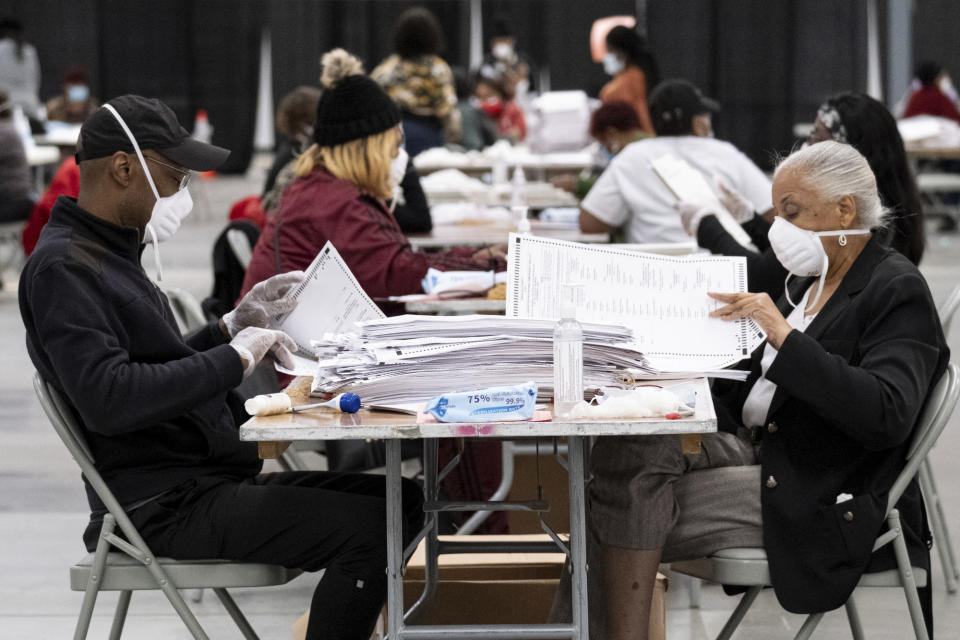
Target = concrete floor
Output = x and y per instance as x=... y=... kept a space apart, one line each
x=43 y=512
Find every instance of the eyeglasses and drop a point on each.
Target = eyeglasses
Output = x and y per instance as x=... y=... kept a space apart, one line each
x=184 y=181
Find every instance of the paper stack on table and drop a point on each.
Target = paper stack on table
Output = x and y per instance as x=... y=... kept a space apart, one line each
x=413 y=358
x=663 y=299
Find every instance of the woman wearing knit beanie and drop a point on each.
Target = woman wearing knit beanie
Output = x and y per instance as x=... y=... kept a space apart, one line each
x=339 y=194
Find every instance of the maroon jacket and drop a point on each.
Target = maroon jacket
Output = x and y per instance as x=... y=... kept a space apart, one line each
x=320 y=207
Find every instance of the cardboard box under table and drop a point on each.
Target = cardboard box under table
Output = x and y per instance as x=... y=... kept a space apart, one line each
x=270 y=431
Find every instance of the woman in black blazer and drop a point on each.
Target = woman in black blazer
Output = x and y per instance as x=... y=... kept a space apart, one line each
x=808 y=448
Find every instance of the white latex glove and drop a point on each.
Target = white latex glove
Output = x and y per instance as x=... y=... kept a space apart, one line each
x=739 y=207
x=263 y=303
x=691 y=214
x=254 y=343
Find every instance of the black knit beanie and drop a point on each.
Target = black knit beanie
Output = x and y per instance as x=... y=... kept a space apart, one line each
x=355 y=108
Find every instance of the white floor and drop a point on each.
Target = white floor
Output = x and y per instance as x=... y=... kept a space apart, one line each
x=42 y=504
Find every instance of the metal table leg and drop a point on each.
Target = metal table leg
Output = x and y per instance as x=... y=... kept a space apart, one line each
x=578 y=538
x=431 y=493
x=394 y=540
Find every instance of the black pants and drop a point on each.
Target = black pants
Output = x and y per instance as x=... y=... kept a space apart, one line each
x=309 y=520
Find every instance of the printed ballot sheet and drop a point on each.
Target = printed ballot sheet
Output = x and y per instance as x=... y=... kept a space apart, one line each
x=662 y=298
x=329 y=300
x=689 y=185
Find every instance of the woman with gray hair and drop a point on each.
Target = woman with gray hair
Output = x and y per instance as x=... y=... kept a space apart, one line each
x=808 y=448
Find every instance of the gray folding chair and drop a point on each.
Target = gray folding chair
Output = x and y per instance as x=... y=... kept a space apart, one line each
x=942 y=542
x=747 y=567
x=134 y=567
x=186 y=309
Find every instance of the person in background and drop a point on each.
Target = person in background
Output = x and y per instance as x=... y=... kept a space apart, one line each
x=66 y=182
x=16 y=185
x=296 y=115
x=506 y=61
x=492 y=98
x=343 y=181
x=477 y=129
x=19 y=69
x=628 y=195
x=852 y=118
x=420 y=82
x=74 y=104
x=296 y=119
x=929 y=99
x=614 y=125
x=634 y=70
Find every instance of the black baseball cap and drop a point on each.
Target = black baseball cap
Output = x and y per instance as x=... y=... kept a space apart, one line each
x=674 y=102
x=155 y=127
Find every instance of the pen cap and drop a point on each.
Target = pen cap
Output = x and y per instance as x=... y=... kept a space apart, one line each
x=349 y=402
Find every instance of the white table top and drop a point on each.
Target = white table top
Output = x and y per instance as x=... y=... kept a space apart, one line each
x=41 y=155
x=326 y=424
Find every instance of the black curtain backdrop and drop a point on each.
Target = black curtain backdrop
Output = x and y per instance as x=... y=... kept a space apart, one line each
x=935 y=37
x=191 y=55
x=769 y=63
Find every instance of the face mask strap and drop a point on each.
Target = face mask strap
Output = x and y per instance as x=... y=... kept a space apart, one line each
x=156 y=252
x=136 y=148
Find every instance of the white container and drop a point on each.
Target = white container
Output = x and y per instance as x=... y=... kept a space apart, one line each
x=567 y=358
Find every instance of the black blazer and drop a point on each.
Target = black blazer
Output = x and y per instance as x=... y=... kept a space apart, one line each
x=849 y=392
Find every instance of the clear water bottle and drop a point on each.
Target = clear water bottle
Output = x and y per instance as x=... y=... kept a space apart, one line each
x=567 y=357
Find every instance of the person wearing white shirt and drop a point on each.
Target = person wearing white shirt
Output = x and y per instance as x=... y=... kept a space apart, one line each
x=630 y=196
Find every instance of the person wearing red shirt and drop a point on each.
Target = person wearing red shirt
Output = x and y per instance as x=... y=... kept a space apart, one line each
x=929 y=99
x=66 y=182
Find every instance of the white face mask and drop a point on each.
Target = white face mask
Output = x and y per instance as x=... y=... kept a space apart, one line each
x=502 y=51
x=168 y=212
x=612 y=65
x=801 y=253
x=398 y=168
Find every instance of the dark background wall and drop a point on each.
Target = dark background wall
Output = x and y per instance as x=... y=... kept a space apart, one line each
x=769 y=63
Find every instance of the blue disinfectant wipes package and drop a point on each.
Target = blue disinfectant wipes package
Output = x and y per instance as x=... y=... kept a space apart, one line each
x=496 y=404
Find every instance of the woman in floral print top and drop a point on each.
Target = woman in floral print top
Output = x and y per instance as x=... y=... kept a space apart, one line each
x=420 y=82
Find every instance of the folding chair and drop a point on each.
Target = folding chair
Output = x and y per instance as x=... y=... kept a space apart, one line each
x=942 y=542
x=187 y=311
x=747 y=567
x=134 y=567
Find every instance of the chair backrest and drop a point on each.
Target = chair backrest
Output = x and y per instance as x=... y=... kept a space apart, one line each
x=61 y=416
x=239 y=245
x=949 y=309
x=934 y=417
x=187 y=311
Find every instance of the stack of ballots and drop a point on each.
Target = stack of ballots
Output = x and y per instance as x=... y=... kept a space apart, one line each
x=409 y=359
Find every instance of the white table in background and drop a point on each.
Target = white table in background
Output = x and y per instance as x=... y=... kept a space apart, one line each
x=457 y=306
x=480 y=235
x=273 y=433
x=39 y=157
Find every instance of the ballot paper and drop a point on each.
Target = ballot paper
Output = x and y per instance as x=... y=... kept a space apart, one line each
x=411 y=358
x=689 y=185
x=663 y=299
x=329 y=300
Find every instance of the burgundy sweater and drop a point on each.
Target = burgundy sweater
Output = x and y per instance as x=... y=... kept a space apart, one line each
x=320 y=207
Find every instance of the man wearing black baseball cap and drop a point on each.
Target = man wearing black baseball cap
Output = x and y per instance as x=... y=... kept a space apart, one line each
x=153 y=403
x=629 y=195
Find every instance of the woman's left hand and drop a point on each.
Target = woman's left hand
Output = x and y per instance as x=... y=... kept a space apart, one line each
x=758 y=306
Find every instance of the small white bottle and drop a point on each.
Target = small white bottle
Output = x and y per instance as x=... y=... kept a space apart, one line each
x=567 y=357
x=518 y=188
x=520 y=214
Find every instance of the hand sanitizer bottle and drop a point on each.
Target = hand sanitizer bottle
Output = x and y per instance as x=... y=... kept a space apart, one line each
x=520 y=214
x=567 y=357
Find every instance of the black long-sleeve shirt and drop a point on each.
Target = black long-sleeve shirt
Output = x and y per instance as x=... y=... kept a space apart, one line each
x=152 y=403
